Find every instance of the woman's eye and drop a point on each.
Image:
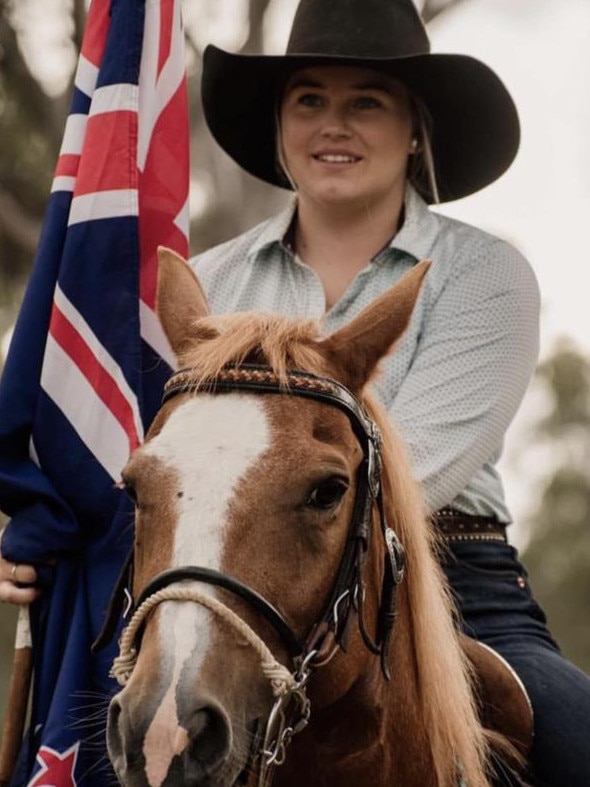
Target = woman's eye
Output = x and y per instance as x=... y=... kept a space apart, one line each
x=310 y=100
x=368 y=102
x=327 y=494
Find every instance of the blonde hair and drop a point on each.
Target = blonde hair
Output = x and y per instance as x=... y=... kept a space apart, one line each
x=280 y=160
x=421 y=170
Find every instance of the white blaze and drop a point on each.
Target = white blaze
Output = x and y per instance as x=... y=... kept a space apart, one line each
x=210 y=442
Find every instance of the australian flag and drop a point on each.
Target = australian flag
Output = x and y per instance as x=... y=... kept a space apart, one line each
x=87 y=364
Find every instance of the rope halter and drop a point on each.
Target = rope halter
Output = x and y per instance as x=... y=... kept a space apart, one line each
x=281 y=680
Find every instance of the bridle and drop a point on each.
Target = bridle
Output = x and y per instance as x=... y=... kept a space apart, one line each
x=347 y=594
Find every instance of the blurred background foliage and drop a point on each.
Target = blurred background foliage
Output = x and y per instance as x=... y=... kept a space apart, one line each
x=556 y=448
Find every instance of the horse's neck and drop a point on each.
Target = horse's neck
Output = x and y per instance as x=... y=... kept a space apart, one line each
x=369 y=738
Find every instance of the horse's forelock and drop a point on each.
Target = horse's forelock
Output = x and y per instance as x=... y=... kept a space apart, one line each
x=269 y=339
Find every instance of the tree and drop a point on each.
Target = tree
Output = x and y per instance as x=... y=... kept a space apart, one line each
x=31 y=125
x=558 y=554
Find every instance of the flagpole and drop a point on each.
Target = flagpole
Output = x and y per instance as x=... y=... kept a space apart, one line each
x=18 y=698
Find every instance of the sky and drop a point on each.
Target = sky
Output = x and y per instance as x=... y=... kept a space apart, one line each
x=541 y=50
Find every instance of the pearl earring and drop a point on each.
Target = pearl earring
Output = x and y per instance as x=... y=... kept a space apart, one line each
x=414 y=145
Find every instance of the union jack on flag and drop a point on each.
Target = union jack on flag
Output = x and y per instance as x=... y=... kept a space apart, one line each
x=87 y=364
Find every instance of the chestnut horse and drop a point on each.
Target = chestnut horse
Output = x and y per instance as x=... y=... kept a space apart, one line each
x=274 y=507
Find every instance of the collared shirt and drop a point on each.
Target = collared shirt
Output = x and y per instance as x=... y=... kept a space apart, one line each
x=456 y=378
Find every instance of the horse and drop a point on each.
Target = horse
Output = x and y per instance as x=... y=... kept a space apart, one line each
x=291 y=610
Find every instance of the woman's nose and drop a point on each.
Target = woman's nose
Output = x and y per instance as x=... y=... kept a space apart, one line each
x=336 y=124
x=335 y=120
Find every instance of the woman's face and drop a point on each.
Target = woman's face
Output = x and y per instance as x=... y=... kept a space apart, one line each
x=346 y=135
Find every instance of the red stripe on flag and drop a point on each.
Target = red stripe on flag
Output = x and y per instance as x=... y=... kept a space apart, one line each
x=163 y=191
x=166 y=22
x=96 y=31
x=108 y=156
x=103 y=384
x=67 y=165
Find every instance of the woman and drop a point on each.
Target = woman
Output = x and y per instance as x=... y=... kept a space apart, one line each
x=368 y=128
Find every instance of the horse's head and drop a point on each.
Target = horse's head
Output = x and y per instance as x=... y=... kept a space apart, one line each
x=258 y=485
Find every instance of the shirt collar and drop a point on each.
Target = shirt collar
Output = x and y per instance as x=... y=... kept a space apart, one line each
x=276 y=228
x=420 y=228
x=415 y=237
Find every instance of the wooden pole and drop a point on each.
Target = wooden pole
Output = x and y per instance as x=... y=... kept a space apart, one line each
x=18 y=698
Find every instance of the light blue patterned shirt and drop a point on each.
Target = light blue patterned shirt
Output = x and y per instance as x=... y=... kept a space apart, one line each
x=457 y=377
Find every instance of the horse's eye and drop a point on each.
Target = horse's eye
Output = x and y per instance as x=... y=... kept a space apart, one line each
x=327 y=494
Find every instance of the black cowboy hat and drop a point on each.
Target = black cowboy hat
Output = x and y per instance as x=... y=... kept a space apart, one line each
x=475 y=128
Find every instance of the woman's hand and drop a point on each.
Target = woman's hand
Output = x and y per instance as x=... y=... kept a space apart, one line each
x=15 y=583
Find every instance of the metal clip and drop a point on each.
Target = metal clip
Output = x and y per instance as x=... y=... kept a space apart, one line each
x=339 y=600
x=128 y=603
x=397 y=555
x=289 y=715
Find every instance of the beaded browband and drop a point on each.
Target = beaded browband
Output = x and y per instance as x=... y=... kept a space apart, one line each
x=262 y=379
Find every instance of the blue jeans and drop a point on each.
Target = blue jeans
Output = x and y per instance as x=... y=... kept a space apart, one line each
x=493 y=594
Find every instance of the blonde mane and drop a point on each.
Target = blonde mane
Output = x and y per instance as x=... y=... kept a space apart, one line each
x=449 y=711
x=442 y=674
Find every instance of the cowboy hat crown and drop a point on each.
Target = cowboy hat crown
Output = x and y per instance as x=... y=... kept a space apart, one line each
x=475 y=129
x=358 y=28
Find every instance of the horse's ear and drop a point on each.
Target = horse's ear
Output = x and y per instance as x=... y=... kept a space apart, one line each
x=355 y=350
x=180 y=300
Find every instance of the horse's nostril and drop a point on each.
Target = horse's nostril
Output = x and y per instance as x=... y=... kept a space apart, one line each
x=209 y=736
x=119 y=750
x=113 y=732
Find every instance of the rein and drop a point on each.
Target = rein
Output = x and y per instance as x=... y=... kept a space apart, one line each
x=290 y=712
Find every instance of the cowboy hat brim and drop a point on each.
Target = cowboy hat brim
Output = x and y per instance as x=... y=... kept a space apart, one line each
x=475 y=127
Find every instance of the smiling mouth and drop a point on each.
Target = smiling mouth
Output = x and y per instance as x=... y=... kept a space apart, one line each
x=337 y=158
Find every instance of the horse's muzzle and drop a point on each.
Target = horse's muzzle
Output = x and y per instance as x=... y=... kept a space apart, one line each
x=197 y=756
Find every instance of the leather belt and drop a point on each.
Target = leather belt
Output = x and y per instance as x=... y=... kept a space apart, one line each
x=457 y=526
